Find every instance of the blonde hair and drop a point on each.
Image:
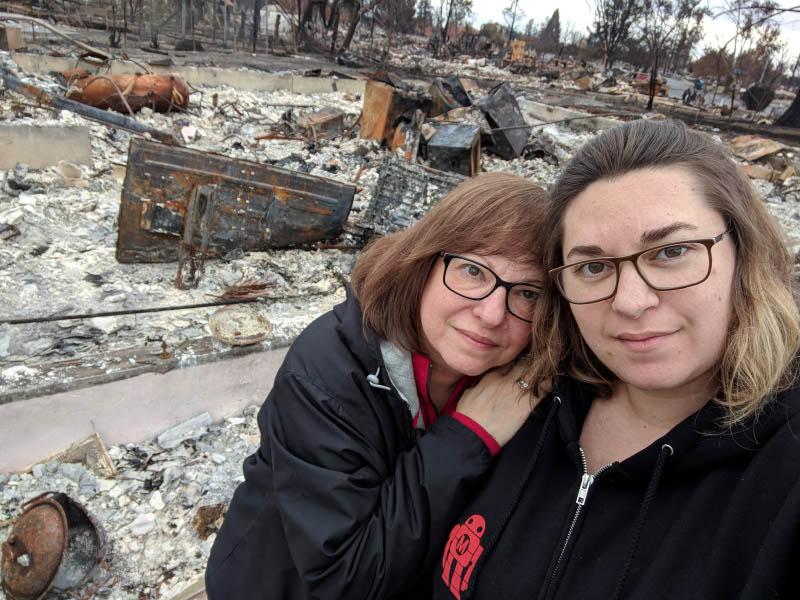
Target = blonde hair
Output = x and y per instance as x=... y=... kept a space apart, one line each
x=758 y=358
x=493 y=213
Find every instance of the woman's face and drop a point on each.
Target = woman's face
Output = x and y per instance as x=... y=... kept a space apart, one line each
x=469 y=337
x=652 y=340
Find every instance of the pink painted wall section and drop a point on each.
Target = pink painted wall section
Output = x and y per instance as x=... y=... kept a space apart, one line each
x=132 y=410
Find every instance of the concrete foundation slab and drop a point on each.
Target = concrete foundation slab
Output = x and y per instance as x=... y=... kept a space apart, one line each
x=210 y=76
x=133 y=409
x=43 y=146
x=548 y=112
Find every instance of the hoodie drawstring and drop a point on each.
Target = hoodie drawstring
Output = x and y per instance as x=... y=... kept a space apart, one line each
x=652 y=487
x=373 y=381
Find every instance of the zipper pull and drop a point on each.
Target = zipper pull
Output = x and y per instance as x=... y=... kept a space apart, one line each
x=583 y=490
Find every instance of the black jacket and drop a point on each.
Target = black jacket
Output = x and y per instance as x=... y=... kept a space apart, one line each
x=344 y=498
x=699 y=514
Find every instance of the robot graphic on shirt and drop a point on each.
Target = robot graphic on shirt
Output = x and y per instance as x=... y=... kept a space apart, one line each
x=461 y=553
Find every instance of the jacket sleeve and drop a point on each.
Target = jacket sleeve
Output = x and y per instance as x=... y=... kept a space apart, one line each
x=357 y=527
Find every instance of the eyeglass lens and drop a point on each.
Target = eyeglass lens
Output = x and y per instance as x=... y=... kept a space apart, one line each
x=665 y=267
x=474 y=281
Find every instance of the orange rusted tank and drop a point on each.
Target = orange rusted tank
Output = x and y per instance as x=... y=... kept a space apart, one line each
x=160 y=92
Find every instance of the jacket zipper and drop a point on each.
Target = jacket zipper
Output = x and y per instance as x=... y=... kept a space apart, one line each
x=583 y=491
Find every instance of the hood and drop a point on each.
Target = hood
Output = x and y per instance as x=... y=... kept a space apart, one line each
x=699 y=442
x=360 y=340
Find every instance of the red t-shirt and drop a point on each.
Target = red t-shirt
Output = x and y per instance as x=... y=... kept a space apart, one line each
x=422 y=370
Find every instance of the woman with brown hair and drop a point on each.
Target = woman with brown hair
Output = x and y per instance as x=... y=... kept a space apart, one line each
x=370 y=445
x=664 y=464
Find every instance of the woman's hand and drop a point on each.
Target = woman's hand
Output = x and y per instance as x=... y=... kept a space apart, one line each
x=499 y=403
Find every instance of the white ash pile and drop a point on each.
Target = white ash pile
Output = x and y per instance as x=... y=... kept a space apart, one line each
x=161 y=510
x=58 y=230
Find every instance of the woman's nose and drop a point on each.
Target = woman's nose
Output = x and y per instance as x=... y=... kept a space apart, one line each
x=492 y=309
x=634 y=295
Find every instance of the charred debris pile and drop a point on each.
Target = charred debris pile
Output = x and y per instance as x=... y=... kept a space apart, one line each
x=180 y=222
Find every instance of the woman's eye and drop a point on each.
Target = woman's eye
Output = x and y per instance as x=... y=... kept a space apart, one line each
x=592 y=269
x=472 y=271
x=529 y=295
x=671 y=252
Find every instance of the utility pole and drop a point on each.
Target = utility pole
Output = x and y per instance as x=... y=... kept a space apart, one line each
x=225 y=23
x=256 y=15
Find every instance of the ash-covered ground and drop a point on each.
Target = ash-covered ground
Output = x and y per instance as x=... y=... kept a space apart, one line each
x=57 y=242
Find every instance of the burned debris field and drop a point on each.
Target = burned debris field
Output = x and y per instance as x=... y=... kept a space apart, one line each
x=172 y=217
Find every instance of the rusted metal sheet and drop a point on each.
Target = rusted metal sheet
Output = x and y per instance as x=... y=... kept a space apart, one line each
x=447 y=94
x=385 y=107
x=456 y=148
x=327 y=122
x=517 y=50
x=55 y=544
x=128 y=92
x=509 y=135
x=177 y=198
x=403 y=193
x=375 y=110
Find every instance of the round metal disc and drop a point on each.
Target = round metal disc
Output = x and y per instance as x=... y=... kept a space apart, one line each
x=34 y=550
x=239 y=326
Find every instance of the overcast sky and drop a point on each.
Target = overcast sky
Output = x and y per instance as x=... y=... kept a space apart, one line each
x=579 y=13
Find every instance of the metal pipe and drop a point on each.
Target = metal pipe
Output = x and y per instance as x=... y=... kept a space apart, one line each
x=89 y=112
x=4 y=16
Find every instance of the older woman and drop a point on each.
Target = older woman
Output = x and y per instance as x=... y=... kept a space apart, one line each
x=366 y=456
x=666 y=462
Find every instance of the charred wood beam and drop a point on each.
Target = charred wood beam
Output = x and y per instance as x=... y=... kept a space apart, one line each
x=89 y=112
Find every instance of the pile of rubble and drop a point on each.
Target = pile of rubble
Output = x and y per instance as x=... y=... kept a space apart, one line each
x=62 y=237
x=156 y=505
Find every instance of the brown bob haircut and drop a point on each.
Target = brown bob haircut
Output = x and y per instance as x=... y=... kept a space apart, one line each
x=764 y=333
x=492 y=213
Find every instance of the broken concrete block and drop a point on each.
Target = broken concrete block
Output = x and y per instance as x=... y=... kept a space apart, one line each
x=456 y=148
x=11 y=38
x=753 y=147
x=41 y=146
x=191 y=429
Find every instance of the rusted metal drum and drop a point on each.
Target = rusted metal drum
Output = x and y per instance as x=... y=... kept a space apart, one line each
x=34 y=550
x=54 y=544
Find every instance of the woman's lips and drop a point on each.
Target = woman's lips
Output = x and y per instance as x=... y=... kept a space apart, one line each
x=641 y=342
x=477 y=340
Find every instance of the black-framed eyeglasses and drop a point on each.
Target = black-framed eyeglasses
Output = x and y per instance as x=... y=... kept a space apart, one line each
x=672 y=266
x=472 y=280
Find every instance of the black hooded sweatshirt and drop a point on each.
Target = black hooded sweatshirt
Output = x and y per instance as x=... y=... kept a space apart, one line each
x=702 y=513
x=345 y=498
